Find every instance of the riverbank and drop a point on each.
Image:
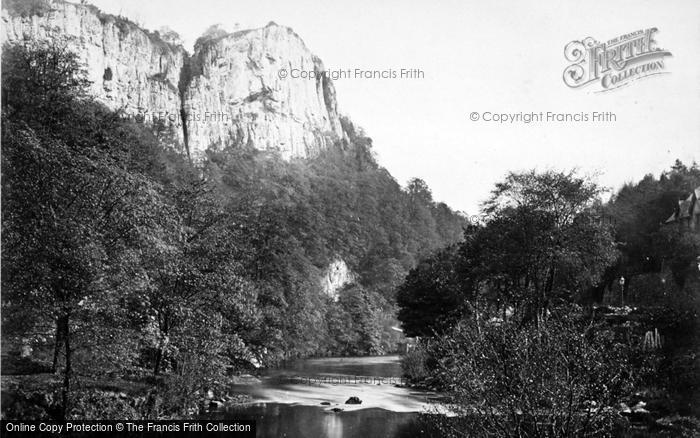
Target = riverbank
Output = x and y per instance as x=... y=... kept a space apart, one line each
x=37 y=397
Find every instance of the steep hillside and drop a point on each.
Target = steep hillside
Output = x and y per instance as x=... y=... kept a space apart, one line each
x=287 y=195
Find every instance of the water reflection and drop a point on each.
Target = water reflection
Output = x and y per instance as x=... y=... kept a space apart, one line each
x=292 y=421
x=295 y=410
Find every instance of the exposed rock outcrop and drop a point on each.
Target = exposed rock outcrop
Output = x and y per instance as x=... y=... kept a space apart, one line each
x=241 y=93
x=130 y=69
x=230 y=92
x=336 y=275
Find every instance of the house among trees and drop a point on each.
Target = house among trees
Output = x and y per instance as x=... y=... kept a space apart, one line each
x=688 y=211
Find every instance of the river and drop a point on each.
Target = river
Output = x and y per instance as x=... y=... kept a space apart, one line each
x=303 y=399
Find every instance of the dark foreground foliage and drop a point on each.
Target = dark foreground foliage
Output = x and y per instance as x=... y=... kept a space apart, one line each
x=562 y=316
x=561 y=379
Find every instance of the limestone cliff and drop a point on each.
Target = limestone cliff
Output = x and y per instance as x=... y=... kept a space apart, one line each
x=130 y=68
x=229 y=92
x=236 y=79
x=336 y=275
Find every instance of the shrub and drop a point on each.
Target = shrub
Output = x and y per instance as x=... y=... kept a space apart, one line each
x=560 y=379
x=413 y=364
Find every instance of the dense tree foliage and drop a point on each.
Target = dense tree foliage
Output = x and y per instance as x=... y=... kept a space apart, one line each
x=660 y=261
x=433 y=295
x=498 y=315
x=647 y=244
x=121 y=257
x=540 y=242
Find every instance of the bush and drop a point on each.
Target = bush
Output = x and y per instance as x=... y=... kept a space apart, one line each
x=413 y=364
x=101 y=405
x=560 y=379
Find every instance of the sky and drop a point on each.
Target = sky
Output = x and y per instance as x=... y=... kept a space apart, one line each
x=482 y=57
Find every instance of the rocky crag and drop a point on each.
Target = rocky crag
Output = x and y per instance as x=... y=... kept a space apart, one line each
x=228 y=92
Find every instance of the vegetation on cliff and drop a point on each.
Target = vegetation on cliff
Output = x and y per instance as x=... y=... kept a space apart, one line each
x=122 y=258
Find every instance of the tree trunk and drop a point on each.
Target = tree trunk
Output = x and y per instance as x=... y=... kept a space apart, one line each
x=68 y=369
x=164 y=328
x=58 y=340
x=159 y=357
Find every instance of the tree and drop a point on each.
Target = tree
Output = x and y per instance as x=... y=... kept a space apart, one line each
x=646 y=242
x=42 y=84
x=542 y=240
x=433 y=295
x=65 y=231
x=71 y=228
x=194 y=276
x=419 y=192
x=361 y=309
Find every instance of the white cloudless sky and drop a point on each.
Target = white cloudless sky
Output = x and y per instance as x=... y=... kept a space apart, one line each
x=499 y=56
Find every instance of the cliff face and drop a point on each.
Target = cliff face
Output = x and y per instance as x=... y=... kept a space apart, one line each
x=335 y=277
x=129 y=68
x=229 y=92
x=237 y=95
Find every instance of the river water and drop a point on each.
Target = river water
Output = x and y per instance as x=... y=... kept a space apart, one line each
x=306 y=398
